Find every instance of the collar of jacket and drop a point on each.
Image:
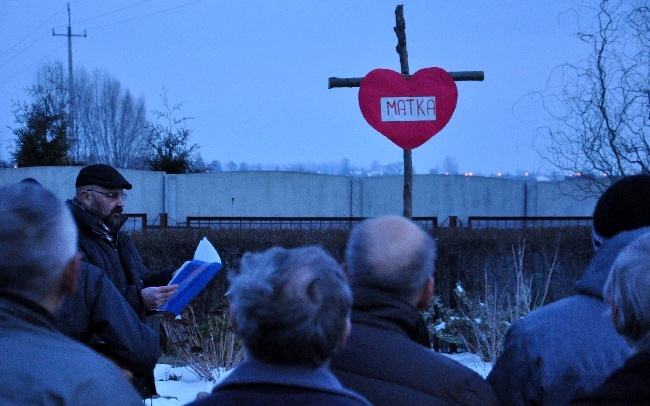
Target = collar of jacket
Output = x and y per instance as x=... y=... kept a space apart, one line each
x=25 y=309
x=384 y=310
x=301 y=376
x=593 y=280
x=96 y=224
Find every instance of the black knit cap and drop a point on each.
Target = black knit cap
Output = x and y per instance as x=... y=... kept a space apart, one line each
x=624 y=206
x=103 y=175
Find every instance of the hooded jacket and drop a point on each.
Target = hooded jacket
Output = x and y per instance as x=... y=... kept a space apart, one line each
x=388 y=358
x=567 y=348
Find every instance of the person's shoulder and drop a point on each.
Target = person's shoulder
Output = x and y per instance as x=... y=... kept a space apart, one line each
x=455 y=369
x=543 y=318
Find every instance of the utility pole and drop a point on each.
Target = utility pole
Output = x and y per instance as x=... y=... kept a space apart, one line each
x=71 y=133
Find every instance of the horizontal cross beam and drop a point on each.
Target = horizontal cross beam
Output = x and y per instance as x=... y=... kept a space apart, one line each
x=356 y=82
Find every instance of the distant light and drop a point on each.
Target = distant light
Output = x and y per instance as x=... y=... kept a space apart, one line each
x=466 y=174
x=446 y=173
x=579 y=174
x=499 y=174
x=604 y=174
x=526 y=174
x=15 y=166
x=471 y=174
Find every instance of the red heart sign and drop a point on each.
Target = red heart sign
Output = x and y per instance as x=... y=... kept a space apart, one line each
x=408 y=111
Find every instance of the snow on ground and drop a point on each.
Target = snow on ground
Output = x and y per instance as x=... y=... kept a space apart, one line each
x=179 y=386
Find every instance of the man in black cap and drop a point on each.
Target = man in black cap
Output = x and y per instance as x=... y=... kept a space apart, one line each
x=97 y=209
x=568 y=348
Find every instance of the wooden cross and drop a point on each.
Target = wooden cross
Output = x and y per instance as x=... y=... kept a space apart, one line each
x=400 y=30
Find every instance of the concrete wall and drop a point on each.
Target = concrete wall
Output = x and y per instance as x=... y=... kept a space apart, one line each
x=290 y=194
x=443 y=196
x=147 y=195
x=557 y=198
x=257 y=194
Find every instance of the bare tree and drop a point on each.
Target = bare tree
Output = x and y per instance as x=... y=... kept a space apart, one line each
x=168 y=141
x=601 y=109
x=111 y=122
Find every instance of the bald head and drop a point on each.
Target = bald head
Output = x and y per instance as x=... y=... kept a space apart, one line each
x=390 y=253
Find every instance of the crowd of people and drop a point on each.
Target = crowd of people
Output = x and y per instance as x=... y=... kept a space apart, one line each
x=75 y=295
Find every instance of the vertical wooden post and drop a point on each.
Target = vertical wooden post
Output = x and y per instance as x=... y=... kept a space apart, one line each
x=163 y=220
x=400 y=31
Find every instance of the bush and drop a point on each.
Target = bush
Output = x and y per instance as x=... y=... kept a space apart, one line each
x=485 y=279
x=480 y=321
x=205 y=344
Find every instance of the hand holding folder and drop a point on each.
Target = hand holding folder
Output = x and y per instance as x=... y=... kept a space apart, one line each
x=192 y=277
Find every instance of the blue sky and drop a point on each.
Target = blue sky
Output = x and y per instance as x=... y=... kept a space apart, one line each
x=253 y=74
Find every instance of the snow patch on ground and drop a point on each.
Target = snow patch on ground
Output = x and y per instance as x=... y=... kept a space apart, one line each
x=179 y=385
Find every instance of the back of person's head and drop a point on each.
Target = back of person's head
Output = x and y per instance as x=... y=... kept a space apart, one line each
x=390 y=253
x=628 y=286
x=622 y=207
x=38 y=238
x=291 y=306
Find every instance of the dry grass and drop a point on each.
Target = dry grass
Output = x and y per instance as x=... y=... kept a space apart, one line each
x=206 y=347
x=480 y=321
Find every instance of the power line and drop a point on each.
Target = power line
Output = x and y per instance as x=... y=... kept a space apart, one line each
x=11 y=58
x=111 y=12
x=144 y=16
x=24 y=49
x=8 y=78
x=14 y=56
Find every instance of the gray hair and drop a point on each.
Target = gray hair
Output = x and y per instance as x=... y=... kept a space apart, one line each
x=390 y=253
x=628 y=285
x=291 y=305
x=38 y=238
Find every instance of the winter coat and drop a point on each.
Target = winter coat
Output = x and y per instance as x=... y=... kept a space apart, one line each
x=116 y=255
x=97 y=312
x=629 y=385
x=388 y=358
x=567 y=348
x=113 y=253
x=41 y=366
x=256 y=383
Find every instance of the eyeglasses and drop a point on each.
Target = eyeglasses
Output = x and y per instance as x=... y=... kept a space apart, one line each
x=112 y=196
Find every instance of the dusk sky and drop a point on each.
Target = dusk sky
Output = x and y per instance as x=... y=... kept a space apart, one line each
x=253 y=74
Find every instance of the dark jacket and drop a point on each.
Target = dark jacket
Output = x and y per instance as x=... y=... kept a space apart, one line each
x=629 y=385
x=97 y=312
x=567 y=348
x=41 y=366
x=113 y=252
x=388 y=358
x=256 y=383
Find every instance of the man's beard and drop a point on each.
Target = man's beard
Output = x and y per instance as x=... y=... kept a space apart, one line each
x=113 y=219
